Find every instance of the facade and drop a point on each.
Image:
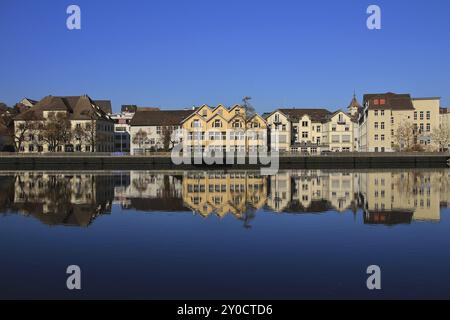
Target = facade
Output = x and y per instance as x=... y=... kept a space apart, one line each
x=149 y=129
x=87 y=129
x=122 y=135
x=385 y=114
x=338 y=132
x=311 y=131
x=222 y=129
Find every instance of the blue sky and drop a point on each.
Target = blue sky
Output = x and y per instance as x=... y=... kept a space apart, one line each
x=176 y=54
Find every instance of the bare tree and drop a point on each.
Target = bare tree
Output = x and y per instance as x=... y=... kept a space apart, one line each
x=249 y=109
x=405 y=136
x=441 y=136
x=167 y=137
x=19 y=131
x=56 y=131
x=140 y=137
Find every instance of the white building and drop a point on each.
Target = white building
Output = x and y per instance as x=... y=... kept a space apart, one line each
x=147 y=128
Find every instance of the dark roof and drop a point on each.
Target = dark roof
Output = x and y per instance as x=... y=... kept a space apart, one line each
x=159 y=118
x=314 y=114
x=105 y=105
x=393 y=101
x=354 y=103
x=77 y=107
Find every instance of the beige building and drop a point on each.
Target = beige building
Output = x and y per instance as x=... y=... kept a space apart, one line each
x=311 y=130
x=64 y=124
x=384 y=114
x=222 y=129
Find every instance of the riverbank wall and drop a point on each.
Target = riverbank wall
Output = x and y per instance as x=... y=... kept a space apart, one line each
x=164 y=162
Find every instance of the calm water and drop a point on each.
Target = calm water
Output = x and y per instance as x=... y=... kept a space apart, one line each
x=187 y=235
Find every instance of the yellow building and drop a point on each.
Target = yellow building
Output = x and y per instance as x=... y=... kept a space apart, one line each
x=384 y=114
x=224 y=129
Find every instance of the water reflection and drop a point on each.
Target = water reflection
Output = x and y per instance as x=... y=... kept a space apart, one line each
x=76 y=199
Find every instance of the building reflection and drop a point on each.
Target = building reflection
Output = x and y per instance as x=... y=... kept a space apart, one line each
x=60 y=198
x=76 y=199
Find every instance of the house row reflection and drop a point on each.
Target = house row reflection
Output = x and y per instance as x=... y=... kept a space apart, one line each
x=76 y=199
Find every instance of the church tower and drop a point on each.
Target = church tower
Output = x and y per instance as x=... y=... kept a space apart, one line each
x=354 y=107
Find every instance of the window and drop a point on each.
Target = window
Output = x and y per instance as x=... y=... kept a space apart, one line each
x=428 y=115
x=382 y=137
x=335 y=139
x=333 y=128
x=346 y=138
x=421 y=115
x=318 y=140
x=78 y=148
x=217 y=124
x=277 y=118
x=376 y=125
x=284 y=127
x=428 y=127
x=237 y=124
x=375 y=113
x=195 y=124
x=382 y=126
x=318 y=129
x=415 y=115
x=304 y=123
x=376 y=137
x=392 y=120
x=421 y=127
x=382 y=112
x=305 y=134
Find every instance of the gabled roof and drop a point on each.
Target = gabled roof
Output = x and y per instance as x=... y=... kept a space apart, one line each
x=105 y=105
x=295 y=114
x=77 y=108
x=160 y=118
x=217 y=115
x=393 y=101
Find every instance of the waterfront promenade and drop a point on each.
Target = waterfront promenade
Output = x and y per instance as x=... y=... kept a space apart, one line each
x=107 y=161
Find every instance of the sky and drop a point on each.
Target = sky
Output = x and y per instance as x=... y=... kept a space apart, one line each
x=177 y=54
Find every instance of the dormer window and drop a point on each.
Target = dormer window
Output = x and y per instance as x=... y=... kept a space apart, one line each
x=217 y=123
x=237 y=124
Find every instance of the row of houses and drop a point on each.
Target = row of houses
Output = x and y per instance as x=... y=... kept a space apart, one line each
x=383 y=123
